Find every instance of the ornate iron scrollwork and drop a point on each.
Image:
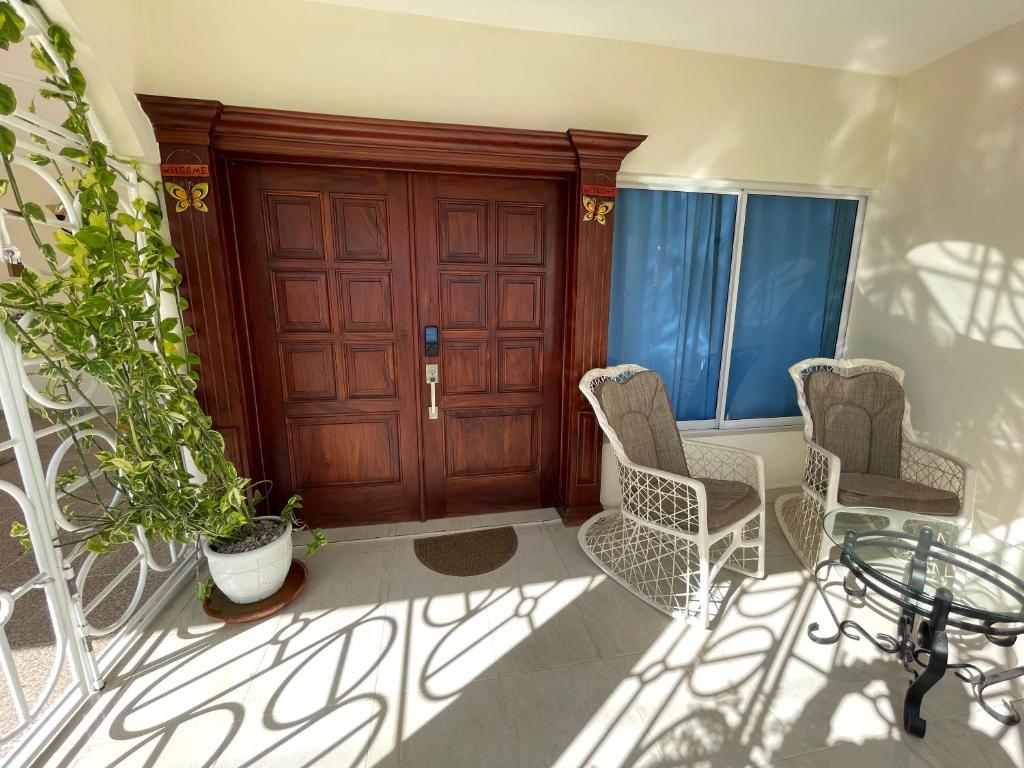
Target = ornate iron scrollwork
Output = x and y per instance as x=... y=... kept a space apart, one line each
x=922 y=645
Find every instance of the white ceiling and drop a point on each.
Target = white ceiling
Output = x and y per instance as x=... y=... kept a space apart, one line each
x=889 y=37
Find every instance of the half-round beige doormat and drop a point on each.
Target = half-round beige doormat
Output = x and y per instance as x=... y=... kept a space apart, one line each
x=469 y=553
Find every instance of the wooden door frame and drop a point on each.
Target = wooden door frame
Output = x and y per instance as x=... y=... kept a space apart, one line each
x=198 y=138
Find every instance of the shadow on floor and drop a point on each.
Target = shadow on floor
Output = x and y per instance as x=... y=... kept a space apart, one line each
x=635 y=688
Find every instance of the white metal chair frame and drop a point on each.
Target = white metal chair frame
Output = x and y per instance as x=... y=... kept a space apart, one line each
x=653 y=553
x=800 y=515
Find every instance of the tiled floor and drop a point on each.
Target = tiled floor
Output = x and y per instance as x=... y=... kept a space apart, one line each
x=543 y=662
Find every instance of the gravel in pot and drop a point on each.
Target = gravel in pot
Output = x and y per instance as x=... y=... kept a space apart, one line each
x=261 y=533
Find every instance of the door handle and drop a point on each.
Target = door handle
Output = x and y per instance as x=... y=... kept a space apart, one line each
x=432 y=373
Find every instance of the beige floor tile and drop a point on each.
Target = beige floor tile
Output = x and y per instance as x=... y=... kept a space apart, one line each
x=580 y=715
x=186 y=683
x=771 y=494
x=567 y=545
x=543 y=662
x=383 y=532
x=444 y=640
x=345 y=574
x=536 y=559
x=340 y=737
x=541 y=625
x=315 y=706
x=787 y=562
x=472 y=730
x=698 y=707
x=443 y=648
x=947 y=743
x=617 y=621
x=315 y=698
x=455 y=634
x=775 y=539
x=466 y=522
x=346 y=547
x=195 y=743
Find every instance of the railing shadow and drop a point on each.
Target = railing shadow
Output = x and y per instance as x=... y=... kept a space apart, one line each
x=400 y=681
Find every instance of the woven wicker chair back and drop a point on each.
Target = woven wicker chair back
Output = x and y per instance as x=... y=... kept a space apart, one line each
x=639 y=411
x=858 y=418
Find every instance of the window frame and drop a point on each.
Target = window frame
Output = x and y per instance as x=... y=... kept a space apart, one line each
x=743 y=190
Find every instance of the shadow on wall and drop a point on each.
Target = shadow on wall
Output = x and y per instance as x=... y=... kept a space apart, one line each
x=964 y=372
x=940 y=290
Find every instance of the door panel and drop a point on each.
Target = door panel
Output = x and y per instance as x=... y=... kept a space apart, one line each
x=492 y=441
x=294 y=222
x=335 y=322
x=348 y=449
x=331 y=321
x=489 y=272
x=308 y=370
x=520 y=365
x=300 y=301
x=520 y=302
x=365 y=301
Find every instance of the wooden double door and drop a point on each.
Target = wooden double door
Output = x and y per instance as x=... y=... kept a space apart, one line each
x=343 y=274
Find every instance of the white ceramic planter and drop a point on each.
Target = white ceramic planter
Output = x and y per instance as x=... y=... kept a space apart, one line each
x=245 y=577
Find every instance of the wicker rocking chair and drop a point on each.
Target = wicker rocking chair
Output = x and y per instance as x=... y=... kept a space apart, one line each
x=862 y=451
x=688 y=508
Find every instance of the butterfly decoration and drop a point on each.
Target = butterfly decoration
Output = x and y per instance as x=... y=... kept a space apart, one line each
x=597 y=211
x=191 y=197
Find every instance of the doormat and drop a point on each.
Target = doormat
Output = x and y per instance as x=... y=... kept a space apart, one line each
x=469 y=553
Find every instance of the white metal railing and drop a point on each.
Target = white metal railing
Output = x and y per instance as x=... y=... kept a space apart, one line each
x=86 y=606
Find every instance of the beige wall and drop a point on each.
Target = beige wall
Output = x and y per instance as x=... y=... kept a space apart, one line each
x=111 y=39
x=940 y=289
x=707 y=115
x=711 y=116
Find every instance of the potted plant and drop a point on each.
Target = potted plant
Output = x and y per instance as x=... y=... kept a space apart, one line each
x=253 y=565
x=95 y=313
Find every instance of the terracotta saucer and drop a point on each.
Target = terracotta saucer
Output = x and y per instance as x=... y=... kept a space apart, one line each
x=217 y=606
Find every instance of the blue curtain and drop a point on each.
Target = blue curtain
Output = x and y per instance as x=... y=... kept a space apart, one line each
x=796 y=253
x=670 y=283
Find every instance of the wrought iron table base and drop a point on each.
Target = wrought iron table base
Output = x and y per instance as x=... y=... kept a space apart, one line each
x=929 y=650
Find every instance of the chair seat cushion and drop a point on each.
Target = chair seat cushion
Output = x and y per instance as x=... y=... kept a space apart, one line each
x=864 y=490
x=728 y=501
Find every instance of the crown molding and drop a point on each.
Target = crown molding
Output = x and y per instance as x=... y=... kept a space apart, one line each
x=285 y=133
x=600 y=149
x=181 y=121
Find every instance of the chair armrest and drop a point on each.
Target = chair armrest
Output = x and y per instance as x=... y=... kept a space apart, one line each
x=663 y=499
x=937 y=469
x=821 y=474
x=724 y=462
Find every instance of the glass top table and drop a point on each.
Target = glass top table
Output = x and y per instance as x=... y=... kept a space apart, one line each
x=937 y=574
x=983 y=574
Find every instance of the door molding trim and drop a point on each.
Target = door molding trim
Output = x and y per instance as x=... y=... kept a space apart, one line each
x=210 y=133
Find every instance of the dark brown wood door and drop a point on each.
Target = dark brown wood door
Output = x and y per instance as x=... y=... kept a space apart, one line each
x=331 y=322
x=489 y=256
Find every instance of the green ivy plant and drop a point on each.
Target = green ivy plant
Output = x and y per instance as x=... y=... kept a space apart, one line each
x=96 y=313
